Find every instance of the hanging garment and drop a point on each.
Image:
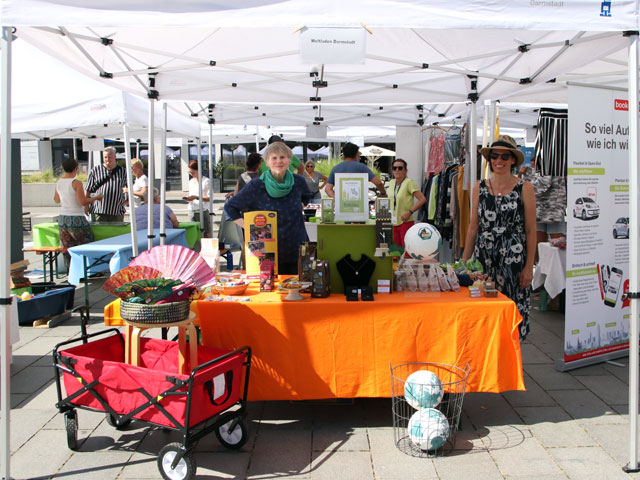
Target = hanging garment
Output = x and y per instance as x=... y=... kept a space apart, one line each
x=551 y=196
x=550 y=154
x=453 y=140
x=463 y=205
x=436 y=153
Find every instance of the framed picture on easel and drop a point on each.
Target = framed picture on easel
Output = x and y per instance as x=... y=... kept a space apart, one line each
x=352 y=197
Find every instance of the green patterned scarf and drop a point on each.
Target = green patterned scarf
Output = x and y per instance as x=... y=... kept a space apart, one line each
x=275 y=189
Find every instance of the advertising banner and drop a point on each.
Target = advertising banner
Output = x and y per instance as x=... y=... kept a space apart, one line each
x=597 y=313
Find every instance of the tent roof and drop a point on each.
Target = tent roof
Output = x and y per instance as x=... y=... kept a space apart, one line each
x=67 y=104
x=533 y=15
x=242 y=62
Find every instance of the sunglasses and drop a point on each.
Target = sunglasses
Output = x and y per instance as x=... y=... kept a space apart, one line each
x=311 y=166
x=398 y=167
x=503 y=156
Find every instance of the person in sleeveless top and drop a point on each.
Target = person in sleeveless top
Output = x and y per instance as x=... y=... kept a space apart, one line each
x=502 y=232
x=72 y=223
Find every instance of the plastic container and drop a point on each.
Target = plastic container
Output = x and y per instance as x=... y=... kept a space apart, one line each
x=449 y=407
x=43 y=305
x=42 y=287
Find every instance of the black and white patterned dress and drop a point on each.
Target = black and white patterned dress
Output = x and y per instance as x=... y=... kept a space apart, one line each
x=501 y=245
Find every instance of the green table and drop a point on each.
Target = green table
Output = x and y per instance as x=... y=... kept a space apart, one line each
x=47 y=234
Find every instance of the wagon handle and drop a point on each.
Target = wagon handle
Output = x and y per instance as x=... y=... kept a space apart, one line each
x=228 y=378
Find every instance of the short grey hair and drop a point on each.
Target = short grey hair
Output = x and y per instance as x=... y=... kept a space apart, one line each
x=145 y=195
x=111 y=150
x=278 y=148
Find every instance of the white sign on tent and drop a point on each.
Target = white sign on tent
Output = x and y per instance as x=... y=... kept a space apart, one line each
x=332 y=45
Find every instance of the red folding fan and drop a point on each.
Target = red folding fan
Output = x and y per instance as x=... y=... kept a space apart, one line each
x=128 y=275
x=178 y=262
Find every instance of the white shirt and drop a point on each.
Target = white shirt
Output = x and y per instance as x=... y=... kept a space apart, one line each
x=138 y=185
x=194 y=205
x=68 y=199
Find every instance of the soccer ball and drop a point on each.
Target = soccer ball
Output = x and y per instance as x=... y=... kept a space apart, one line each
x=428 y=429
x=423 y=389
x=422 y=241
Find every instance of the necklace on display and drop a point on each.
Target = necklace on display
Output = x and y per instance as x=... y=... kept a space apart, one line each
x=356 y=270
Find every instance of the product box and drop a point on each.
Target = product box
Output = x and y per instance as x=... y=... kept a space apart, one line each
x=327 y=210
x=320 y=279
x=306 y=256
x=261 y=238
x=267 y=276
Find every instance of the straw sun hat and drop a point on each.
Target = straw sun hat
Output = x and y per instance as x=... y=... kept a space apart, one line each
x=505 y=142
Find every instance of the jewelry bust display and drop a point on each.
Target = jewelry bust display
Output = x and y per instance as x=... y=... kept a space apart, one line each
x=356 y=273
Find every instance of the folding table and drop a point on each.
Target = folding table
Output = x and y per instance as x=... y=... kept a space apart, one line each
x=113 y=254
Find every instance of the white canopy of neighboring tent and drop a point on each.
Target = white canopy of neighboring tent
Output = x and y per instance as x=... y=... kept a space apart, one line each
x=373 y=152
x=168 y=151
x=68 y=104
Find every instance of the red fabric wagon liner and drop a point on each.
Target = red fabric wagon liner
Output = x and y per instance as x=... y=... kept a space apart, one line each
x=119 y=384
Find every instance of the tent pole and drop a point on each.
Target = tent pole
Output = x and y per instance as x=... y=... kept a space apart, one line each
x=163 y=175
x=473 y=149
x=5 y=255
x=634 y=280
x=132 y=213
x=152 y=171
x=200 y=185
x=210 y=219
x=257 y=141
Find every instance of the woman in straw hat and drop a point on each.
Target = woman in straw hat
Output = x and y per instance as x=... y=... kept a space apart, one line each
x=502 y=233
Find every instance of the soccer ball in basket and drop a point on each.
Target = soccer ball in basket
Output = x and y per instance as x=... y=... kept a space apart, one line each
x=423 y=389
x=422 y=241
x=428 y=429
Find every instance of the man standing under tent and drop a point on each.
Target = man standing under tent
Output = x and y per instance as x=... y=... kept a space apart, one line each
x=296 y=165
x=108 y=179
x=351 y=164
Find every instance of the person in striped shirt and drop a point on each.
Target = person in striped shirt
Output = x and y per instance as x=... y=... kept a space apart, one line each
x=109 y=180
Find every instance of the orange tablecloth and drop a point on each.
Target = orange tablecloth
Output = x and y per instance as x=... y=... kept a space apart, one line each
x=331 y=348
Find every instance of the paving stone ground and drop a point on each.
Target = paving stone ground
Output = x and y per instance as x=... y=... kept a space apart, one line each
x=566 y=425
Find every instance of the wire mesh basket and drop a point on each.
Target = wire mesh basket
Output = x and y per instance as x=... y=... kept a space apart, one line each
x=426 y=405
x=158 y=313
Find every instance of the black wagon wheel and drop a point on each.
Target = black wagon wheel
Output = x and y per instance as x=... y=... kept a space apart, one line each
x=584 y=215
x=233 y=434
x=111 y=420
x=184 y=470
x=71 y=426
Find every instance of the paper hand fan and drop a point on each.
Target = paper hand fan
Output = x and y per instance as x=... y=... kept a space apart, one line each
x=128 y=275
x=176 y=261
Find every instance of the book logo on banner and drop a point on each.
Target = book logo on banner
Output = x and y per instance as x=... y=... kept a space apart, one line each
x=605 y=9
x=332 y=45
x=622 y=105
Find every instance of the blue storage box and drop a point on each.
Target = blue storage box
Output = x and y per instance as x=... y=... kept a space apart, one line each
x=47 y=304
x=42 y=287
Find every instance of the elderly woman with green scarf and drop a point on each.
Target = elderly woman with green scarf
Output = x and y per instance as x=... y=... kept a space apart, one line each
x=276 y=190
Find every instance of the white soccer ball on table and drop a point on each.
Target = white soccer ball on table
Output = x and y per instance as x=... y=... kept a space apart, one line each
x=423 y=389
x=428 y=429
x=422 y=241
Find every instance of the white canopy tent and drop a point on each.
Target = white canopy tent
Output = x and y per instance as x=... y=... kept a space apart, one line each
x=374 y=152
x=423 y=61
x=68 y=104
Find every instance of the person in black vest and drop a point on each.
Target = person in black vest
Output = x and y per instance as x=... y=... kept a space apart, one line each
x=107 y=179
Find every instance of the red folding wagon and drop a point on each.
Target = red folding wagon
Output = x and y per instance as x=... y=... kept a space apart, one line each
x=212 y=397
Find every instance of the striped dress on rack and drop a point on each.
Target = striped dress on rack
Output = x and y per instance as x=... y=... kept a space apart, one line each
x=550 y=155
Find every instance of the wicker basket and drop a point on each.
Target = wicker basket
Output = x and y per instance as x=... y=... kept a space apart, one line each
x=161 y=313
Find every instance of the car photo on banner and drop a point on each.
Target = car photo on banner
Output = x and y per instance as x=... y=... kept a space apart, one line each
x=585 y=208
x=621 y=228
